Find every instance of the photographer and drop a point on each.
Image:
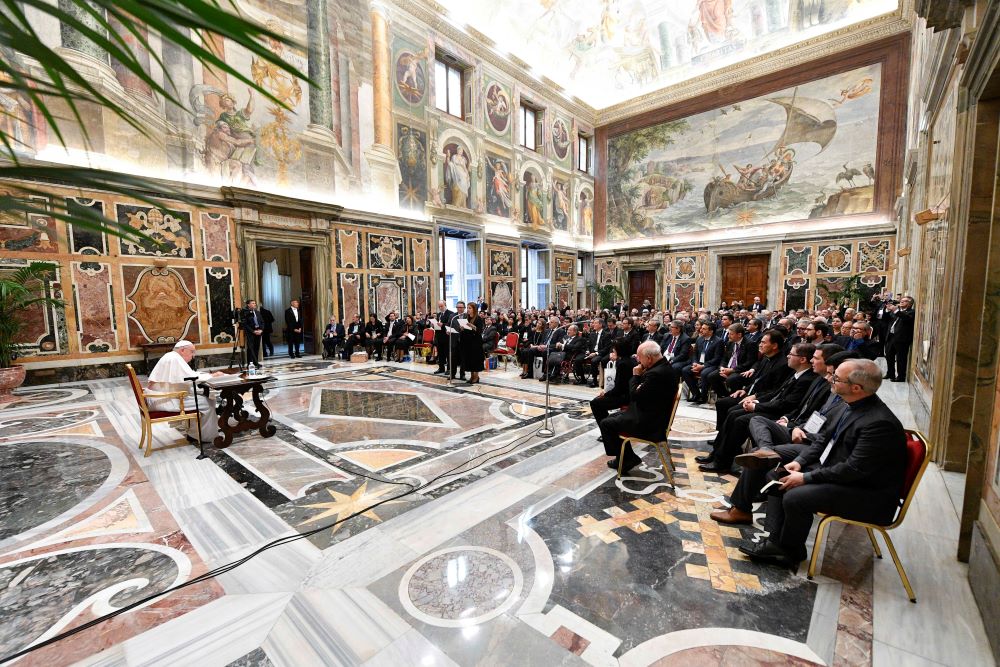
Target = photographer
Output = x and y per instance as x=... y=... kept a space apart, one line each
x=899 y=338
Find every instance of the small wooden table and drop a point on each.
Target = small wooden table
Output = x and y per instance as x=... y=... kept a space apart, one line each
x=231 y=389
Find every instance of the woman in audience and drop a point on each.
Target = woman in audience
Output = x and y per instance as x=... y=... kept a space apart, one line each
x=524 y=354
x=470 y=343
x=402 y=340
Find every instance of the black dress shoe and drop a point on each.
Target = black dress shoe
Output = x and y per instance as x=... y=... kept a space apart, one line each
x=439 y=371
x=769 y=552
x=592 y=385
x=613 y=464
x=705 y=458
x=714 y=467
x=630 y=463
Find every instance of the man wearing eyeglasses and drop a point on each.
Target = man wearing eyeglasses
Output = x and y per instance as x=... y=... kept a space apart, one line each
x=858 y=474
x=861 y=341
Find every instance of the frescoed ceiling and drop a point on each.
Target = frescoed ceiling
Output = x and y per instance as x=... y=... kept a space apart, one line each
x=608 y=51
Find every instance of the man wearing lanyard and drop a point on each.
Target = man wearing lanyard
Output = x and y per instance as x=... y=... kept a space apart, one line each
x=857 y=475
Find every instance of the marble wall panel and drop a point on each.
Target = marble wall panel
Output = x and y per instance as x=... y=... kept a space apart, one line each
x=93 y=296
x=684 y=276
x=386 y=252
x=795 y=290
x=348 y=249
x=420 y=254
x=350 y=296
x=44 y=330
x=609 y=272
x=502 y=263
x=37 y=235
x=82 y=240
x=873 y=255
x=215 y=236
x=797 y=259
x=221 y=302
x=823 y=287
x=387 y=294
x=809 y=266
x=685 y=296
x=421 y=299
x=161 y=304
x=835 y=258
x=170 y=229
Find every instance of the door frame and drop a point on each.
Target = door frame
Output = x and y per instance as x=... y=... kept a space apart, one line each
x=715 y=255
x=656 y=267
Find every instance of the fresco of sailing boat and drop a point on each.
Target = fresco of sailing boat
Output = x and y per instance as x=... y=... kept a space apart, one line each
x=795 y=154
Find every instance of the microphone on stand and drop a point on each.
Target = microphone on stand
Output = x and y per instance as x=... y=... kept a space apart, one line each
x=547 y=431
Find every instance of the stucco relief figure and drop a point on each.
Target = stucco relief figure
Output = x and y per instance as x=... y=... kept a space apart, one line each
x=457 y=180
x=231 y=141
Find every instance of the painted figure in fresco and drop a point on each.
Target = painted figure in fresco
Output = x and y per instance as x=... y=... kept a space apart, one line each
x=497 y=107
x=231 y=141
x=500 y=190
x=411 y=151
x=585 y=211
x=860 y=89
x=560 y=206
x=457 y=180
x=534 y=201
x=714 y=17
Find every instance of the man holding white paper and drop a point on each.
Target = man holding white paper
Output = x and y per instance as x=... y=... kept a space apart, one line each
x=858 y=474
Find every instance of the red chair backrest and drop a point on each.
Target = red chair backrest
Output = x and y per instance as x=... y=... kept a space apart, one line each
x=133 y=382
x=428 y=335
x=916 y=451
x=510 y=342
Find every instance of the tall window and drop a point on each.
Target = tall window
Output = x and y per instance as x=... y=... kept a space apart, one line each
x=448 y=87
x=529 y=127
x=463 y=278
x=539 y=281
x=583 y=153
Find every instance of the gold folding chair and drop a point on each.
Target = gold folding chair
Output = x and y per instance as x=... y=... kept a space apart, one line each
x=662 y=447
x=918 y=454
x=149 y=417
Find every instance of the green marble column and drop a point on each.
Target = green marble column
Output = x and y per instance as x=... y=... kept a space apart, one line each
x=320 y=94
x=73 y=38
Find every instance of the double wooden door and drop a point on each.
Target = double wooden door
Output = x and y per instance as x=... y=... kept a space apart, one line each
x=641 y=287
x=744 y=277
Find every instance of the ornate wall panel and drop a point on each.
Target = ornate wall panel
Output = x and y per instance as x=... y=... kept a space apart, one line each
x=93 y=296
x=608 y=271
x=386 y=252
x=348 y=249
x=29 y=233
x=684 y=277
x=161 y=304
x=351 y=303
x=812 y=269
x=564 y=279
x=215 y=237
x=221 y=302
x=45 y=331
x=171 y=230
x=387 y=294
x=421 y=295
x=420 y=254
x=84 y=241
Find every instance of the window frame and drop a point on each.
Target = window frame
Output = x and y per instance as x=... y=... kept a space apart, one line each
x=449 y=65
x=536 y=113
x=587 y=153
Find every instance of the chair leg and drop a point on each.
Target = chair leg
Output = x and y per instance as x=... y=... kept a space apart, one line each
x=871 y=536
x=817 y=545
x=149 y=439
x=142 y=433
x=621 y=456
x=666 y=466
x=899 y=566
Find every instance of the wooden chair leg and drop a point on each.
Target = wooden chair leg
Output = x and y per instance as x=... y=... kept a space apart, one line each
x=142 y=433
x=149 y=438
x=871 y=536
x=621 y=456
x=899 y=566
x=666 y=466
x=817 y=545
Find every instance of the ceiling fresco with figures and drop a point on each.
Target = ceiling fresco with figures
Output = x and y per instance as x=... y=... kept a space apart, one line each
x=638 y=46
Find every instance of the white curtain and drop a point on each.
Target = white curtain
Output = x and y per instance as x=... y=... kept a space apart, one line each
x=275 y=290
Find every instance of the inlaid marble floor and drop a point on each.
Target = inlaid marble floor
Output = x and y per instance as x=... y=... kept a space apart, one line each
x=439 y=529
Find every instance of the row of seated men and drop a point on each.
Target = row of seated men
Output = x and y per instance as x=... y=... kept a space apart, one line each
x=815 y=426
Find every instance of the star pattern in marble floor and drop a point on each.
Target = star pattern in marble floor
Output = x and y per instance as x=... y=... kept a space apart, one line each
x=344 y=506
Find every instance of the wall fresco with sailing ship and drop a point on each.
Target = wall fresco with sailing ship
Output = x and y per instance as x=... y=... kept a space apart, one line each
x=794 y=154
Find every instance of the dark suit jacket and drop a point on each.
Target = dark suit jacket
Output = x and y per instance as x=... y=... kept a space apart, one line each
x=814 y=399
x=291 y=320
x=655 y=337
x=869 y=451
x=651 y=399
x=868 y=349
x=267 y=318
x=556 y=337
x=682 y=348
x=603 y=347
x=901 y=326
x=246 y=321
x=712 y=349
x=334 y=331
x=769 y=373
x=745 y=358
x=757 y=307
x=355 y=329
x=632 y=340
x=789 y=394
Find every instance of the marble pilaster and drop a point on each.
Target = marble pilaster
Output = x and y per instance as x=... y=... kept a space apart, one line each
x=381 y=158
x=76 y=40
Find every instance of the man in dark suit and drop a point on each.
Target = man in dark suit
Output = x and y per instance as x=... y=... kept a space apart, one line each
x=293 y=323
x=571 y=346
x=333 y=335
x=265 y=338
x=615 y=394
x=857 y=475
x=738 y=356
x=355 y=337
x=757 y=306
x=652 y=391
x=630 y=335
x=861 y=341
x=881 y=318
x=552 y=336
x=652 y=332
x=779 y=443
x=676 y=346
x=736 y=428
x=899 y=339
x=596 y=354
x=444 y=317
x=755 y=329
x=252 y=324
x=707 y=356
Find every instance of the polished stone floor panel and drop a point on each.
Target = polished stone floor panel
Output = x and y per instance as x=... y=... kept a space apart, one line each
x=423 y=522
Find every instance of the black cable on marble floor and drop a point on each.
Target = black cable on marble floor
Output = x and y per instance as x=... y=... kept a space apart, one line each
x=223 y=569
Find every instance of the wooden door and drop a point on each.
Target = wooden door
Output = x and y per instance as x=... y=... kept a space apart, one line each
x=744 y=277
x=641 y=286
x=307 y=302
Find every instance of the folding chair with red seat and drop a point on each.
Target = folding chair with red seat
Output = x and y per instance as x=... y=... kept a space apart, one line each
x=508 y=349
x=918 y=454
x=426 y=341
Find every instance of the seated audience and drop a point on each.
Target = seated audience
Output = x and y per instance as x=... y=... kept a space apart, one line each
x=707 y=355
x=333 y=336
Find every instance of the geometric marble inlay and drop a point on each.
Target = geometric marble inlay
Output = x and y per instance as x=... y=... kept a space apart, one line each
x=687 y=428
x=461 y=586
x=376 y=405
x=378 y=459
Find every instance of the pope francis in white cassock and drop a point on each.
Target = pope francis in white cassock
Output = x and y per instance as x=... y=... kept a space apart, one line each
x=168 y=375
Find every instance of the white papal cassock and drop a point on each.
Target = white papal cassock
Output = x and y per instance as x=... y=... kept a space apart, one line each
x=168 y=375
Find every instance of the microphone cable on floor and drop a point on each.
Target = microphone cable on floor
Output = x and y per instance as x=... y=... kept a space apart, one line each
x=223 y=569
